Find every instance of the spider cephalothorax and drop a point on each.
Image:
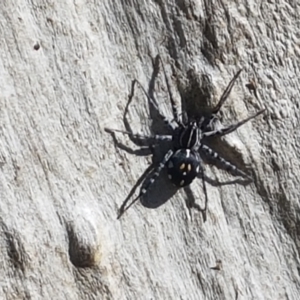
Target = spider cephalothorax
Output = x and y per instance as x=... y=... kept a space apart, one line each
x=187 y=141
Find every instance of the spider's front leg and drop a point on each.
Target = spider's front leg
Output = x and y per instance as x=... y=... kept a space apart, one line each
x=226 y=93
x=233 y=127
x=207 y=124
x=215 y=110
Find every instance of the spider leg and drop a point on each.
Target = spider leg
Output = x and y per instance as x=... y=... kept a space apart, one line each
x=226 y=93
x=155 y=138
x=226 y=164
x=173 y=104
x=126 y=122
x=146 y=185
x=141 y=151
x=233 y=127
x=153 y=103
x=139 y=181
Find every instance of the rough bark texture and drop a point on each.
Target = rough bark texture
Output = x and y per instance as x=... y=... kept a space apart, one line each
x=66 y=72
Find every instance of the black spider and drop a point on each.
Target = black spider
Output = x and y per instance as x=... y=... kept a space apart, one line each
x=183 y=160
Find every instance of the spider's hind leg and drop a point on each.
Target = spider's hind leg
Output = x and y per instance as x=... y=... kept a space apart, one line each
x=147 y=183
x=123 y=207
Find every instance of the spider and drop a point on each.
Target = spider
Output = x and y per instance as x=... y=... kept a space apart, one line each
x=183 y=161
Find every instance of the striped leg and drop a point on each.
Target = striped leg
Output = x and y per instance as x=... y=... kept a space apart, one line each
x=153 y=103
x=146 y=185
x=155 y=138
x=226 y=93
x=136 y=138
x=139 y=181
x=233 y=127
x=208 y=124
x=144 y=150
x=227 y=165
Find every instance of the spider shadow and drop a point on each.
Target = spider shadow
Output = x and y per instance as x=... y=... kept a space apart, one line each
x=161 y=191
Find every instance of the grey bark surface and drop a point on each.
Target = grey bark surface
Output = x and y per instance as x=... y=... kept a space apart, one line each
x=63 y=179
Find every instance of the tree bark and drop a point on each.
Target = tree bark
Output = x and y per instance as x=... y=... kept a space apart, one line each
x=66 y=74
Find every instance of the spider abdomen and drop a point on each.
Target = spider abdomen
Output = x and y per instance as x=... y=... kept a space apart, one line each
x=183 y=167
